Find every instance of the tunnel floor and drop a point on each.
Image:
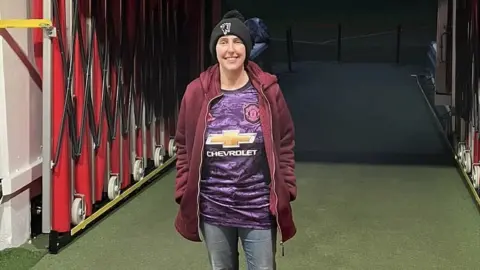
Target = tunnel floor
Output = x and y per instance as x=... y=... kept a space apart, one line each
x=377 y=188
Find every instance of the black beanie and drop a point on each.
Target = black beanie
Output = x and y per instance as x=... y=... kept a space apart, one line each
x=232 y=23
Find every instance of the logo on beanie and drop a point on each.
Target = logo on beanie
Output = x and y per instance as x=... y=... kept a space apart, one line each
x=225 y=27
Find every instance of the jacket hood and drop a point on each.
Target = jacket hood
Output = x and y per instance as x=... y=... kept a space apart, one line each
x=210 y=78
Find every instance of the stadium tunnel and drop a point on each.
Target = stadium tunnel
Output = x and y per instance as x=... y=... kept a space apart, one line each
x=372 y=137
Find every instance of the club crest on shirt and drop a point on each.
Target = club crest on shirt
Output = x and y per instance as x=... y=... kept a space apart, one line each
x=251 y=113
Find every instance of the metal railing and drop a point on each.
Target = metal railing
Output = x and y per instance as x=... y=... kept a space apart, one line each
x=391 y=42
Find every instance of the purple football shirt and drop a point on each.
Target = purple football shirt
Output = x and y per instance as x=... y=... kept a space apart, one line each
x=234 y=189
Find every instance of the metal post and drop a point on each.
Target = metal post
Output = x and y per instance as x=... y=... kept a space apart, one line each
x=120 y=150
x=133 y=131
x=153 y=133
x=144 y=128
x=47 y=124
x=397 y=52
x=289 y=41
x=339 y=42
x=93 y=165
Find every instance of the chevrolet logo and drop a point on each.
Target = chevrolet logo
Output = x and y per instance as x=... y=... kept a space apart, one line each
x=231 y=138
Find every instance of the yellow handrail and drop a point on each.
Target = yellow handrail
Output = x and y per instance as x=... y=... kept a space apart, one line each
x=25 y=23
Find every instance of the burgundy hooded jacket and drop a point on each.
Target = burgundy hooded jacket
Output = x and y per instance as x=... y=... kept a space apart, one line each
x=279 y=134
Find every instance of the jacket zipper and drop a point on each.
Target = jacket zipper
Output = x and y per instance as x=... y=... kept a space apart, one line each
x=200 y=166
x=273 y=176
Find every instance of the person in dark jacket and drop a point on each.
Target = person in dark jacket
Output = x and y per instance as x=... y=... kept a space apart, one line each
x=235 y=156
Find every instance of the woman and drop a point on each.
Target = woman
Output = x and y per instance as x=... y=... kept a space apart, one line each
x=235 y=161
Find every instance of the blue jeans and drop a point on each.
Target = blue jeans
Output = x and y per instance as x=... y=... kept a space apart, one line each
x=222 y=246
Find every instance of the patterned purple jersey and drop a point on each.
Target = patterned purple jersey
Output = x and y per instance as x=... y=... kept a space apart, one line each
x=234 y=188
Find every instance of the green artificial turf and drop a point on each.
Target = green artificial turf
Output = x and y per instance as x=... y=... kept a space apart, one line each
x=19 y=258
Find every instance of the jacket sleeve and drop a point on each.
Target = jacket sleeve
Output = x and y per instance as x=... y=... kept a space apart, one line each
x=182 y=159
x=287 y=145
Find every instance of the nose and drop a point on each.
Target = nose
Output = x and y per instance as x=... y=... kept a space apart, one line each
x=230 y=47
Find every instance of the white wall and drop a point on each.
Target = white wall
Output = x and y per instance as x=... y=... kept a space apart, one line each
x=20 y=130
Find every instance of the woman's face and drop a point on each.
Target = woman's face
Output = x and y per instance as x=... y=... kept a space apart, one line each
x=230 y=52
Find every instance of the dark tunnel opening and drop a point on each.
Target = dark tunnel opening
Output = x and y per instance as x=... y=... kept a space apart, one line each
x=358 y=79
